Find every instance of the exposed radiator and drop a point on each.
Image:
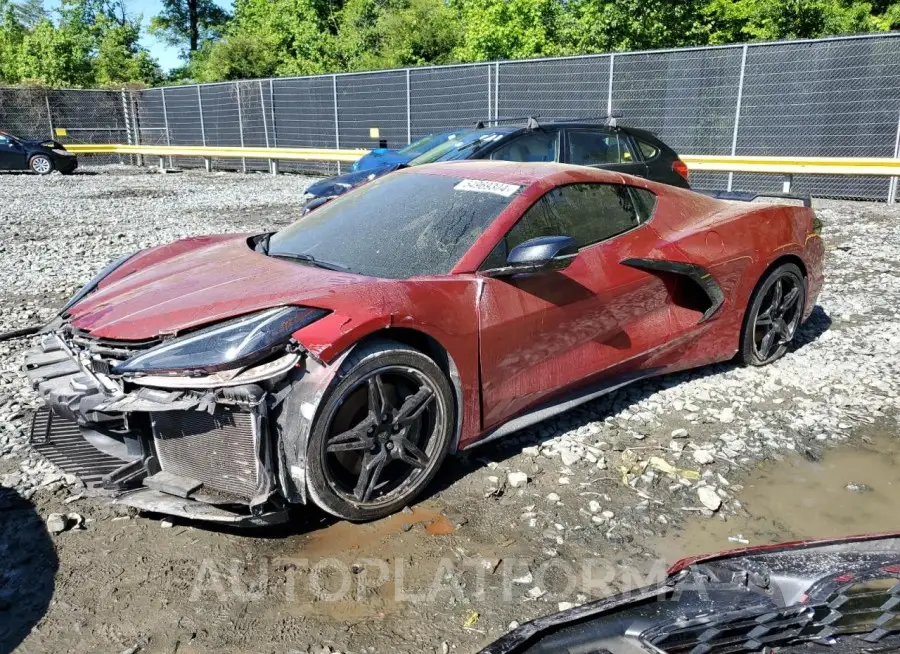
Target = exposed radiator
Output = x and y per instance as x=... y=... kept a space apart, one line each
x=218 y=450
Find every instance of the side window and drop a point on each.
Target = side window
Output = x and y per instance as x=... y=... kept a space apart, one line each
x=589 y=213
x=645 y=202
x=596 y=148
x=648 y=150
x=540 y=145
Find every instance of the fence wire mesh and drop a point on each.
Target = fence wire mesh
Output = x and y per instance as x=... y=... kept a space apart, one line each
x=828 y=97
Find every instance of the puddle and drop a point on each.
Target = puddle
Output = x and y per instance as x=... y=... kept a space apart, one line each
x=796 y=499
x=350 y=538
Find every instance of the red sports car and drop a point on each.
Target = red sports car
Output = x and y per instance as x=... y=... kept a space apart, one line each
x=341 y=359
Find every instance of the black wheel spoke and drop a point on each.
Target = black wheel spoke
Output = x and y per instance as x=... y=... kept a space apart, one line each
x=352 y=439
x=768 y=342
x=414 y=406
x=369 y=475
x=411 y=454
x=378 y=402
x=789 y=300
x=776 y=296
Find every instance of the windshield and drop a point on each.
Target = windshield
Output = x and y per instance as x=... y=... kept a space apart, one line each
x=462 y=147
x=427 y=142
x=397 y=226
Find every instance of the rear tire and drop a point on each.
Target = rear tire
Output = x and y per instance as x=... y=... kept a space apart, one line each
x=774 y=315
x=382 y=433
x=41 y=164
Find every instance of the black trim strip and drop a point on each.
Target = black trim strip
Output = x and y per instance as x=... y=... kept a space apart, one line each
x=698 y=274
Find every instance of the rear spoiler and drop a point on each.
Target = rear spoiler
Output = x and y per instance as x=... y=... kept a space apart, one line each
x=746 y=196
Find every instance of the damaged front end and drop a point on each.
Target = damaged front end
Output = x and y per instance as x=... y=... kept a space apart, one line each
x=212 y=441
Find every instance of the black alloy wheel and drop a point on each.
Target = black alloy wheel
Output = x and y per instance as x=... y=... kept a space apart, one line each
x=381 y=434
x=774 y=315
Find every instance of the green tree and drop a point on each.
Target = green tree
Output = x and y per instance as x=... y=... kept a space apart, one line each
x=622 y=25
x=56 y=56
x=12 y=33
x=731 y=21
x=120 y=59
x=188 y=23
x=509 y=29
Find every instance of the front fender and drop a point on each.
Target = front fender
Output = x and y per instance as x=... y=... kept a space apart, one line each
x=297 y=406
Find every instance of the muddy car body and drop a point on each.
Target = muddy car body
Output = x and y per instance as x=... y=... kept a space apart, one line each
x=836 y=595
x=339 y=360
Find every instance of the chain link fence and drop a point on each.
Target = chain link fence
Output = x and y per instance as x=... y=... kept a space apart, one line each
x=835 y=97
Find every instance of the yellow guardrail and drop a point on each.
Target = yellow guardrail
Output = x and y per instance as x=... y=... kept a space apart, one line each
x=286 y=154
x=778 y=165
x=862 y=166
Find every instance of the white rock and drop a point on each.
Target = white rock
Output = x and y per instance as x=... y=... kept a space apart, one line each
x=709 y=498
x=516 y=479
x=703 y=457
x=594 y=506
x=552 y=497
x=680 y=433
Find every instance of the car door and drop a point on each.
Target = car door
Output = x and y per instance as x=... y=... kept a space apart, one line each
x=539 y=145
x=545 y=333
x=12 y=154
x=603 y=148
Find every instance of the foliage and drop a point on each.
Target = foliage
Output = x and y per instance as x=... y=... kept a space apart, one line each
x=91 y=43
x=96 y=42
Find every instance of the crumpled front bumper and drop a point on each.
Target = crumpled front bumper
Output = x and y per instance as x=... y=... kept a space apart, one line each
x=206 y=454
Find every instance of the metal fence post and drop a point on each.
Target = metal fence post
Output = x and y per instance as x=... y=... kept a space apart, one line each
x=207 y=162
x=489 y=95
x=49 y=115
x=136 y=122
x=337 y=130
x=497 y=91
x=274 y=125
x=737 y=111
x=262 y=110
x=127 y=117
x=408 y=111
x=893 y=185
x=166 y=122
x=237 y=86
x=612 y=65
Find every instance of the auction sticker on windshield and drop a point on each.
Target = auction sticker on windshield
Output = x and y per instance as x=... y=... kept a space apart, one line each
x=484 y=186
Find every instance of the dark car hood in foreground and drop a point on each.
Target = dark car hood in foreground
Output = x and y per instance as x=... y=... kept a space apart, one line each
x=343 y=183
x=381 y=157
x=799 y=597
x=200 y=281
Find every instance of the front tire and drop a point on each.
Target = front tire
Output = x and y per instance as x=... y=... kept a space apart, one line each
x=41 y=164
x=382 y=433
x=774 y=315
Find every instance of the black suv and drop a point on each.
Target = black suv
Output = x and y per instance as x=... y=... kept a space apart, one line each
x=607 y=145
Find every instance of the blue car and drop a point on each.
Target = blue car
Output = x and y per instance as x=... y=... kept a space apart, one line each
x=386 y=157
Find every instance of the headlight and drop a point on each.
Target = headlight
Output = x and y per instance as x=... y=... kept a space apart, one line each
x=64 y=153
x=91 y=285
x=231 y=345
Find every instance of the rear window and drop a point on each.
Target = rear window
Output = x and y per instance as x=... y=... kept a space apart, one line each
x=398 y=226
x=648 y=150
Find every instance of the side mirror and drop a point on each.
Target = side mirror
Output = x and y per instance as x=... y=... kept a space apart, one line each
x=538 y=255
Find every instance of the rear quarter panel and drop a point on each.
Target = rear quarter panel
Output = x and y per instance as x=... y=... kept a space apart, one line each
x=737 y=244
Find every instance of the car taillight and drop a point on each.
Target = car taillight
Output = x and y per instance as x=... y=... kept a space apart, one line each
x=681 y=168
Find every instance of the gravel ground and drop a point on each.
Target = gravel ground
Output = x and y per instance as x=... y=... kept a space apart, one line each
x=505 y=533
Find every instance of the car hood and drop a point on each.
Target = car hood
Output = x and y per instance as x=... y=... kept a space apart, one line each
x=343 y=183
x=44 y=143
x=380 y=157
x=197 y=282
